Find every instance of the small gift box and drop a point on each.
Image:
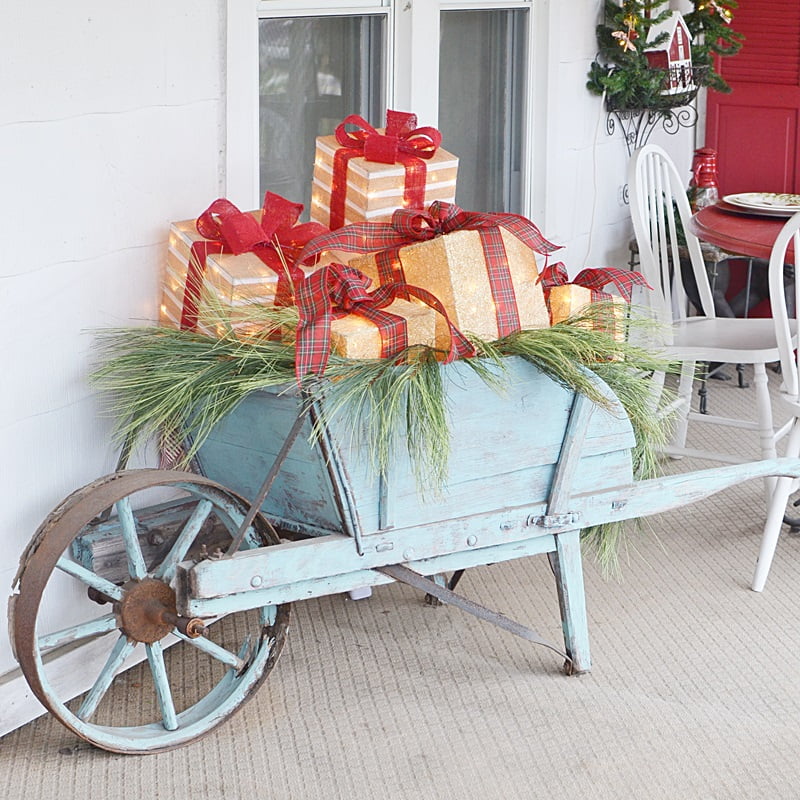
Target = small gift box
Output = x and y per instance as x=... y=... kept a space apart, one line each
x=482 y=267
x=228 y=286
x=354 y=336
x=338 y=312
x=366 y=174
x=567 y=299
x=228 y=261
x=571 y=300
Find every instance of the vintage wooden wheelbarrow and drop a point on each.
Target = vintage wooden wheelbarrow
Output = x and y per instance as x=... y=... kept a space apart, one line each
x=164 y=558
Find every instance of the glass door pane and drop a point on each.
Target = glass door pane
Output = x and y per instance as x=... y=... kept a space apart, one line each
x=313 y=72
x=482 y=93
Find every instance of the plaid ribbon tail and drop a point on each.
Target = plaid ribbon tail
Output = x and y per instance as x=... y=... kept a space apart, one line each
x=460 y=346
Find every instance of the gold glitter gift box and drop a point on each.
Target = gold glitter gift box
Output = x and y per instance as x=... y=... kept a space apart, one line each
x=354 y=336
x=569 y=300
x=453 y=268
x=231 y=282
x=374 y=190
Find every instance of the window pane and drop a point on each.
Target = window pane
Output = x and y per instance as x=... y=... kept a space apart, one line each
x=314 y=71
x=482 y=104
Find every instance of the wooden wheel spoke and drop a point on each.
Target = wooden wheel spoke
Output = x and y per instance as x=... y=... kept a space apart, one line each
x=89 y=578
x=217 y=652
x=74 y=633
x=121 y=650
x=77 y=672
x=155 y=655
x=127 y=523
x=184 y=540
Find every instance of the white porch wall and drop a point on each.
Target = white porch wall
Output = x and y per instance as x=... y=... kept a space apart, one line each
x=111 y=126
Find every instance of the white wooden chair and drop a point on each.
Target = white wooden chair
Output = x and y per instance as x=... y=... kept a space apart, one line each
x=785 y=322
x=660 y=209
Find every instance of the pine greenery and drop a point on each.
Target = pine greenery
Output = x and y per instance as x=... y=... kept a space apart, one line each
x=177 y=385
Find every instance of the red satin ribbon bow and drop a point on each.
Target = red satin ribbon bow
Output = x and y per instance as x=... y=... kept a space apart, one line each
x=336 y=290
x=277 y=240
x=409 y=226
x=401 y=142
x=594 y=278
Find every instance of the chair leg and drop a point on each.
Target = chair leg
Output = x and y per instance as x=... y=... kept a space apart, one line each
x=685 y=395
x=703 y=391
x=775 y=514
x=766 y=430
x=772 y=531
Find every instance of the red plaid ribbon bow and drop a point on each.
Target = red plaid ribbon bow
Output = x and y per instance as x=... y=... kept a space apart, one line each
x=336 y=290
x=594 y=278
x=277 y=241
x=401 y=142
x=409 y=226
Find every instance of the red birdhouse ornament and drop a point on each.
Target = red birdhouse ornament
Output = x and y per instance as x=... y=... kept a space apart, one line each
x=673 y=53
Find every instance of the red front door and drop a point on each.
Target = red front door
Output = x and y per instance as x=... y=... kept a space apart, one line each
x=756 y=128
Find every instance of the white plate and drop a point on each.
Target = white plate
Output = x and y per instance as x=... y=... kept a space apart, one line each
x=766 y=202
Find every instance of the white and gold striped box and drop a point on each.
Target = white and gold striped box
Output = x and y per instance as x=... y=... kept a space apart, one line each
x=375 y=190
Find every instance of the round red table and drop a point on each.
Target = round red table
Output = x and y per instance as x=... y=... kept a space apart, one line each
x=742 y=234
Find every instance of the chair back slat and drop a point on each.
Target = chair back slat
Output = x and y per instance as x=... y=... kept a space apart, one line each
x=784 y=317
x=660 y=210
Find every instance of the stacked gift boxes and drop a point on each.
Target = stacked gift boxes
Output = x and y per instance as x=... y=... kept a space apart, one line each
x=455 y=267
x=373 y=190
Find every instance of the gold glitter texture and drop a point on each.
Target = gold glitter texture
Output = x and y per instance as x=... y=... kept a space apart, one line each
x=357 y=337
x=570 y=299
x=454 y=269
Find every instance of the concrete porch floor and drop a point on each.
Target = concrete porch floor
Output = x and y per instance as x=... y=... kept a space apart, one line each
x=694 y=691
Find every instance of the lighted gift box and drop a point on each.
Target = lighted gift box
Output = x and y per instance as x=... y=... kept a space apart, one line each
x=373 y=190
x=354 y=336
x=230 y=283
x=453 y=267
x=571 y=300
x=219 y=300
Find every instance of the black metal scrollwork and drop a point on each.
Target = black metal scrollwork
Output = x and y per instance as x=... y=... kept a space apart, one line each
x=636 y=125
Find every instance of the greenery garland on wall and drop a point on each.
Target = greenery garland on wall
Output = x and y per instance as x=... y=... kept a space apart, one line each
x=621 y=69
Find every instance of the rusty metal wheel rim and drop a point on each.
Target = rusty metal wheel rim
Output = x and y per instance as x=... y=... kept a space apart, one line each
x=41 y=561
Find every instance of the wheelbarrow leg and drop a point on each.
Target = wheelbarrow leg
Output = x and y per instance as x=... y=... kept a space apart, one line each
x=430 y=600
x=568 y=568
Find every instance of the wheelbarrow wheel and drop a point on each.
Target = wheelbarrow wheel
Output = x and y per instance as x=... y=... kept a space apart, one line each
x=152 y=680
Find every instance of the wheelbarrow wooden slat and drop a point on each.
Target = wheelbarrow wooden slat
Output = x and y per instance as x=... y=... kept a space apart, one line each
x=504 y=447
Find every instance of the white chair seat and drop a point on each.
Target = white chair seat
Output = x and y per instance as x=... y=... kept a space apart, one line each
x=726 y=340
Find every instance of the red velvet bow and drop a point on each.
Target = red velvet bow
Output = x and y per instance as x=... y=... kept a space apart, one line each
x=401 y=135
x=336 y=290
x=402 y=142
x=594 y=278
x=277 y=240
